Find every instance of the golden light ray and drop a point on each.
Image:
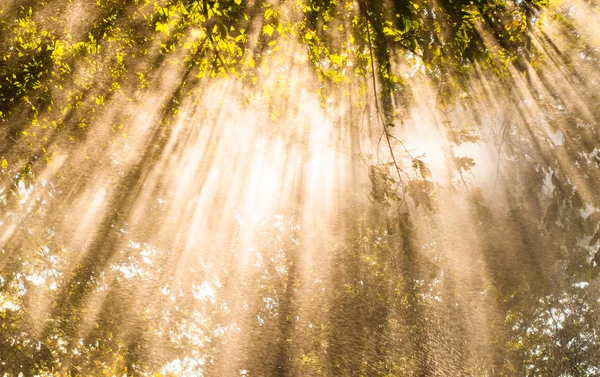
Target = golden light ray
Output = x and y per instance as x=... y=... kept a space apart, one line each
x=216 y=224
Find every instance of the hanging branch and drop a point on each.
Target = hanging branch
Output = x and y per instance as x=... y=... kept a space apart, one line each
x=387 y=135
x=210 y=37
x=380 y=118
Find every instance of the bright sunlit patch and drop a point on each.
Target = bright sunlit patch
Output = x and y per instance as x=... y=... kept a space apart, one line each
x=204 y=292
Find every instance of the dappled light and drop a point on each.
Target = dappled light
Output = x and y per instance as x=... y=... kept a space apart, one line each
x=302 y=188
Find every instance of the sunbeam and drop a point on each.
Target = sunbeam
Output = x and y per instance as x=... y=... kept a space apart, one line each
x=299 y=188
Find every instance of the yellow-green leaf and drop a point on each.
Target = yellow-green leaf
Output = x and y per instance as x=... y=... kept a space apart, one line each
x=268 y=29
x=268 y=13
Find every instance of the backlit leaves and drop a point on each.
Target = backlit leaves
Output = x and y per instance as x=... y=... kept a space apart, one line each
x=421 y=167
x=464 y=163
x=466 y=134
x=268 y=29
x=422 y=193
